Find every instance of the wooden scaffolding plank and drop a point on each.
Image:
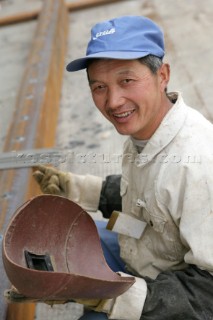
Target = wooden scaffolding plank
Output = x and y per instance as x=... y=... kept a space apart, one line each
x=30 y=15
x=34 y=124
x=85 y=4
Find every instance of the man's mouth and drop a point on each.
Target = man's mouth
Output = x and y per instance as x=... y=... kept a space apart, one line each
x=123 y=115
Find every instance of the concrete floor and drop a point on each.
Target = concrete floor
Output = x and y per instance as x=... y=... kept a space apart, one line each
x=188 y=27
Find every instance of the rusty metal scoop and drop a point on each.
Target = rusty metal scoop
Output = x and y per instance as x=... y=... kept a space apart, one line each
x=52 y=251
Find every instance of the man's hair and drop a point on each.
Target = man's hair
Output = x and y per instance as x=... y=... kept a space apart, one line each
x=152 y=62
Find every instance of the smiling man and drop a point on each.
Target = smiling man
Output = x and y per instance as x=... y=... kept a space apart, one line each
x=166 y=189
x=129 y=95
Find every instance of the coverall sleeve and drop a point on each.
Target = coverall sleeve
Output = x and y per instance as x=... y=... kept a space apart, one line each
x=189 y=200
x=92 y=193
x=85 y=190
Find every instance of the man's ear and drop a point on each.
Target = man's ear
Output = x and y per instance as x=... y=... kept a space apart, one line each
x=164 y=73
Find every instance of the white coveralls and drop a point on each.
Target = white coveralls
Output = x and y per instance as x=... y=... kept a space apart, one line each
x=169 y=185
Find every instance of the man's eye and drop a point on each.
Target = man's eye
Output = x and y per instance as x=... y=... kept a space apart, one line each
x=98 y=88
x=127 y=80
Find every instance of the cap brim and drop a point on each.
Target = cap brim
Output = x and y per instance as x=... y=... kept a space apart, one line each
x=82 y=63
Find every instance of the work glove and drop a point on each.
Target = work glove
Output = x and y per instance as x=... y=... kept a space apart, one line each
x=104 y=305
x=13 y=296
x=82 y=189
x=52 y=181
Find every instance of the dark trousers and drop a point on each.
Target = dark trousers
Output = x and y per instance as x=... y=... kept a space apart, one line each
x=173 y=295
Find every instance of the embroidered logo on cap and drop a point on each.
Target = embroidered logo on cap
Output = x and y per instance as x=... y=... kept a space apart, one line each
x=104 y=33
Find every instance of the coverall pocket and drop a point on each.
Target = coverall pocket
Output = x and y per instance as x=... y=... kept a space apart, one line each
x=156 y=222
x=165 y=239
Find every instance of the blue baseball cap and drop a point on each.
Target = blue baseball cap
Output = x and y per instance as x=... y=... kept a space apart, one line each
x=126 y=38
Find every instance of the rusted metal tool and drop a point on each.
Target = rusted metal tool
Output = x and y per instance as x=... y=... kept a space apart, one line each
x=52 y=252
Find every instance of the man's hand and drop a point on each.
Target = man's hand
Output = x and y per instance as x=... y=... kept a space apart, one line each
x=13 y=296
x=52 y=181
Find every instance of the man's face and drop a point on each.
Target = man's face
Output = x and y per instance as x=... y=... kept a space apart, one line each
x=129 y=95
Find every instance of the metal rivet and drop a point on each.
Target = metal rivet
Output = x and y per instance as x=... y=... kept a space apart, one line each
x=19 y=139
x=7 y=195
x=29 y=97
x=25 y=118
x=33 y=80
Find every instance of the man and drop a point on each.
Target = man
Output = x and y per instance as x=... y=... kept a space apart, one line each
x=167 y=176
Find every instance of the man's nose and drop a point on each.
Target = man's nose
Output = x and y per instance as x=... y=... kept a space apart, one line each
x=115 y=98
